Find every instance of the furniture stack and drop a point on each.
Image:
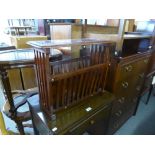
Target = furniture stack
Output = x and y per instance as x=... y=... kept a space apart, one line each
x=95 y=90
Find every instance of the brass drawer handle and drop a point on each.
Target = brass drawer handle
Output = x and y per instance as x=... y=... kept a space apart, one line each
x=92 y=122
x=138 y=88
x=119 y=113
x=146 y=61
x=125 y=84
x=121 y=100
x=116 y=125
x=141 y=75
x=128 y=68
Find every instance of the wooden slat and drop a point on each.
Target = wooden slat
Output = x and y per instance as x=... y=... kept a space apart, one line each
x=80 y=71
x=96 y=80
x=75 y=88
x=42 y=78
x=39 y=77
x=45 y=82
x=89 y=74
x=93 y=82
x=80 y=86
x=58 y=94
x=84 y=84
x=69 y=86
x=72 y=80
x=64 y=91
x=53 y=94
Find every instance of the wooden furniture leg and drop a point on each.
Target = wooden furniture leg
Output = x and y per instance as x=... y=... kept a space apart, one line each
x=7 y=88
x=150 y=91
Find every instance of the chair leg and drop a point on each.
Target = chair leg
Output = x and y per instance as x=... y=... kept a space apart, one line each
x=20 y=127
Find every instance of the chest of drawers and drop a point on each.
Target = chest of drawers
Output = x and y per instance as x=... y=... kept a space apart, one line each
x=128 y=75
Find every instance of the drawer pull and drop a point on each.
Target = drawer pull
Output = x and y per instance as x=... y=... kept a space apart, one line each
x=92 y=122
x=121 y=100
x=138 y=88
x=116 y=125
x=119 y=113
x=125 y=84
x=128 y=68
x=146 y=61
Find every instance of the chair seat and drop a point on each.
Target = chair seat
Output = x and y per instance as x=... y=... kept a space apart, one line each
x=19 y=98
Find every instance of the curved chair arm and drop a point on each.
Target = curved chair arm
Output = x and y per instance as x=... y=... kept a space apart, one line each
x=35 y=89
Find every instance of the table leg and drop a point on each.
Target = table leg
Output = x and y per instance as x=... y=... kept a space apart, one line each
x=7 y=88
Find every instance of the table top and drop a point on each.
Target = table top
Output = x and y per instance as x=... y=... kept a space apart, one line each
x=29 y=36
x=4 y=46
x=68 y=42
x=18 y=27
x=17 y=56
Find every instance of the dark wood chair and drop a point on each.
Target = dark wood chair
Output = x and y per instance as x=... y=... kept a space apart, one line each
x=17 y=98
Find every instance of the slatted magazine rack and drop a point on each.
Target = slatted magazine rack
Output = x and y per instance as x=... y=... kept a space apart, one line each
x=68 y=87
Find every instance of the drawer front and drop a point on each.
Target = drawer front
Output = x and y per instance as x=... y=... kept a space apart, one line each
x=130 y=87
x=148 y=81
x=101 y=117
x=127 y=70
x=119 y=103
x=142 y=65
x=136 y=68
x=123 y=88
x=115 y=124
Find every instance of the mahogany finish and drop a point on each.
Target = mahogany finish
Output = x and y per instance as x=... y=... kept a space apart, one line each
x=66 y=83
x=126 y=89
x=18 y=60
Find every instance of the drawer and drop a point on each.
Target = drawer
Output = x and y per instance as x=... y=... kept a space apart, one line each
x=142 y=65
x=119 y=103
x=148 y=81
x=95 y=124
x=114 y=124
x=127 y=70
x=133 y=69
x=136 y=91
x=123 y=88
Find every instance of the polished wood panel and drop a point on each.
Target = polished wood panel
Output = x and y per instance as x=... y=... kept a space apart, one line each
x=67 y=70
x=28 y=77
x=15 y=79
x=76 y=119
x=126 y=89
